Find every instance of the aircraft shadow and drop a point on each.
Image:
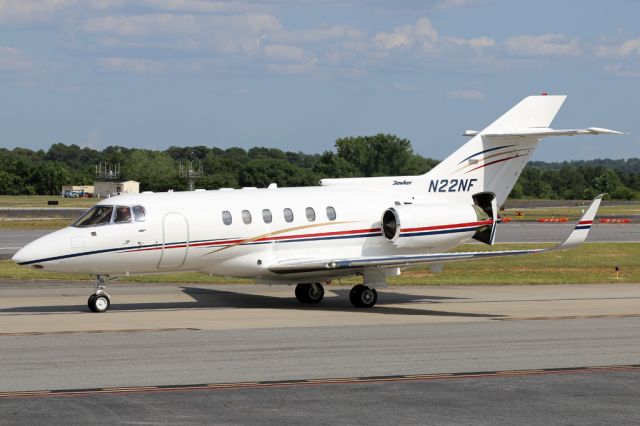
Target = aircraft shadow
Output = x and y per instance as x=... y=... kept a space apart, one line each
x=206 y=298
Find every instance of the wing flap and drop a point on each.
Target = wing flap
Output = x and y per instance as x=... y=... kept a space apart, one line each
x=306 y=265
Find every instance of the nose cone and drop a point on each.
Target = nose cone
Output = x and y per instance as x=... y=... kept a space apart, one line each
x=42 y=249
x=28 y=254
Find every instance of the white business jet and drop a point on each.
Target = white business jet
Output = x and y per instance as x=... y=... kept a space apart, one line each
x=307 y=236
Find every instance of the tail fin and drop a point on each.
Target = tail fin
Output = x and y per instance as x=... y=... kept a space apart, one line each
x=494 y=158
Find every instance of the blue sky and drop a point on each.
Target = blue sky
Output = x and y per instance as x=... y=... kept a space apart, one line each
x=296 y=75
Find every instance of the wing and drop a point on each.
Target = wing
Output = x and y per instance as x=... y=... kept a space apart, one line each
x=293 y=266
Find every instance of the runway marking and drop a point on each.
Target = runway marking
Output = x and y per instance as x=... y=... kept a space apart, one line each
x=567 y=317
x=315 y=382
x=131 y=330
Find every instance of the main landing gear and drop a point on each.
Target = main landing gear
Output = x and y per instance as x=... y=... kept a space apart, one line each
x=309 y=293
x=100 y=300
x=360 y=295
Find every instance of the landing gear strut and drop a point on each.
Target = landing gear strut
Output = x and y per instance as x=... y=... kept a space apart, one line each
x=363 y=297
x=100 y=300
x=309 y=293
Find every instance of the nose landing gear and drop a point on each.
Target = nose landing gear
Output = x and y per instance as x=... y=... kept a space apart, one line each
x=100 y=300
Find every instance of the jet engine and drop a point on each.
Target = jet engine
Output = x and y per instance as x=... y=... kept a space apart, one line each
x=427 y=225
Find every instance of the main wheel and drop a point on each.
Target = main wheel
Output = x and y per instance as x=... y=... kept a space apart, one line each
x=363 y=297
x=99 y=302
x=309 y=293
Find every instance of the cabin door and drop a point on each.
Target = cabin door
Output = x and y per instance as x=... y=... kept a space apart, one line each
x=175 y=241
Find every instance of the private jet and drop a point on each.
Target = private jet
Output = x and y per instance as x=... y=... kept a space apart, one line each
x=310 y=236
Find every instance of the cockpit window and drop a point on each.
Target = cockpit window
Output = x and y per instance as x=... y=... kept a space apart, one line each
x=139 y=214
x=123 y=214
x=97 y=215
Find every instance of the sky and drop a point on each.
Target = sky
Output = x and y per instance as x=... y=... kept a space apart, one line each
x=297 y=75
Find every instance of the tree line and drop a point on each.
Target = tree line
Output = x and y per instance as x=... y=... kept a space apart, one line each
x=28 y=172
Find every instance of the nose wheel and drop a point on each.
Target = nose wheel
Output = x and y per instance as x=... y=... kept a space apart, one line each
x=100 y=300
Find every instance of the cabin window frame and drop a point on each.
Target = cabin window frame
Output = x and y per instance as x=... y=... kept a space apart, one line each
x=310 y=213
x=266 y=214
x=227 y=217
x=246 y=217
x=331 y=213
x=288 y=215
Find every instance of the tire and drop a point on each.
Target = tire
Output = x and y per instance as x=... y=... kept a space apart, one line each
x=302 y=292
x=305 y=293
x=90 y=303
x=100 y=303
x=363 y=297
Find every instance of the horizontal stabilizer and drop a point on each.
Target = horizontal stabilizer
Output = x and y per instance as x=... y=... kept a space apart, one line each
x=306 y=265
x=542 y=132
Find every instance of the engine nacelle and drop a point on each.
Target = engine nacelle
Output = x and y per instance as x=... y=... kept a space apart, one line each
x=428 y=225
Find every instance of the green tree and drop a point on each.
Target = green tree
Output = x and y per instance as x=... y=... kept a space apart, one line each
x=378 y=155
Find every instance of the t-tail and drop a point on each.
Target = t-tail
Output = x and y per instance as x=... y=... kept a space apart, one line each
x=493 y=159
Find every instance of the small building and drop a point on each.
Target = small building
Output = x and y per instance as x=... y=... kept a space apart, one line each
x=76 y=190
x=108 y=189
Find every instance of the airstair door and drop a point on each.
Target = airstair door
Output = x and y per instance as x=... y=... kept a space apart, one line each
x=175 y=242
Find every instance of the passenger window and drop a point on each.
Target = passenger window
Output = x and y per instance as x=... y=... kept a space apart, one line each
x=331 y=213
x=123 y=214
x=311 y=214
x=98 y=215
x=246 y=217
x=139 y=214
x=288 y=215
x=266 y=216
x=226 y=218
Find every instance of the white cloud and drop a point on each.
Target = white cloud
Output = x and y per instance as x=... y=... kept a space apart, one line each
x=447 y=4
x=401 y=87
x=308 y=67
x=143 y=25
x=320 y=35
x=11 y=60
x=620 y=71
x=199 y=6
x=467 y=95
x=133 y=65
x=284 y=52
x=223 y=34
x=543 y=45
x=622 y=50
x=19 y=11
x=422 y=34
x=477 y=43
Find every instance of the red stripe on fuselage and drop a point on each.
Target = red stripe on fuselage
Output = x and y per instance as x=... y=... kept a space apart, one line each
x=493 y=162
x=457 y=225
x=300 y=236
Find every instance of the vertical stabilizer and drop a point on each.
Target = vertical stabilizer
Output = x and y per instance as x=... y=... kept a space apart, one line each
x=488 y=163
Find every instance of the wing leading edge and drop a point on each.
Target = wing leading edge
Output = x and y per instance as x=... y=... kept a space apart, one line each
x=292 y=266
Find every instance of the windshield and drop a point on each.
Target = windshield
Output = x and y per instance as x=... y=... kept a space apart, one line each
x=102 y=215
x=97 y=215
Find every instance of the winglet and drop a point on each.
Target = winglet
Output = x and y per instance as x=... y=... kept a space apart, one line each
x=581 y=231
